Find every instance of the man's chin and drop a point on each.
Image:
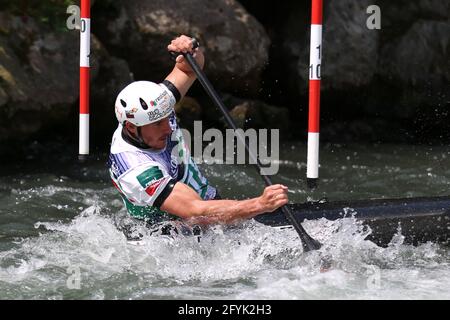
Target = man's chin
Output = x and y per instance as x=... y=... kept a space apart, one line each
x=162 y=145
x=158 y=145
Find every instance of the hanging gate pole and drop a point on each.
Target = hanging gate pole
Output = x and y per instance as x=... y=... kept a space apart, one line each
x=315 y=57
x=85 y=49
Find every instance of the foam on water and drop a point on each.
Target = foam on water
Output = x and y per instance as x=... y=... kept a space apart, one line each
x=252 y=261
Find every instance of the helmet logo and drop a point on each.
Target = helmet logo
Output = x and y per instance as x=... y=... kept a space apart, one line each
x=156 y=114
x=153 y=103
x=130 y=114
x=123 y=103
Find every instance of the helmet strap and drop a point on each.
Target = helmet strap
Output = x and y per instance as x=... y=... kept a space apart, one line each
x=139 y=136
x=135 y=141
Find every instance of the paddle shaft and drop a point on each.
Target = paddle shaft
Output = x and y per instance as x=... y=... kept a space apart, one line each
x=307 y=241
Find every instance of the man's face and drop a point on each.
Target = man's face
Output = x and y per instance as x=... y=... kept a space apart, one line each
x=154 y=134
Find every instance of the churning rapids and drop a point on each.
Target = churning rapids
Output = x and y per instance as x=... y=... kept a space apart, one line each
x=58 y=238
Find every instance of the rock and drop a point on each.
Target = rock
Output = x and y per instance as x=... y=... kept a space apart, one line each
x=415 y=65
x=39 y=79
x=188 y=110
x=235 y=44
x=350 y=49
x=258 y=115
x=419 y=57
x=113 y=75
x=3 y=97
x=36 y=78
x=373 y=80
x=398 y=16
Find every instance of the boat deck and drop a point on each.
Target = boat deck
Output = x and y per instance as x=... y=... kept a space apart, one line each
x=420 y=219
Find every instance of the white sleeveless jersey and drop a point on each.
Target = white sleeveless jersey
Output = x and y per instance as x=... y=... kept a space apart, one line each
x=141 y=175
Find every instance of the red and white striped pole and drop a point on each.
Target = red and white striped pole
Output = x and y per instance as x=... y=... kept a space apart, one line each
x=85 y=50
x=315 y=58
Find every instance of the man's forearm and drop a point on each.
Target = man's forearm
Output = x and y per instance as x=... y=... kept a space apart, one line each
x=227 y=211
x=185 y=203
x=183 y=81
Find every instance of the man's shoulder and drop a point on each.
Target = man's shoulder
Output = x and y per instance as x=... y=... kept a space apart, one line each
x=126 y=158
x=131 y=161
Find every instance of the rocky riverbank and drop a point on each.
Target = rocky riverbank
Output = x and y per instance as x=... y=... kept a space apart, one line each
x=378 y=85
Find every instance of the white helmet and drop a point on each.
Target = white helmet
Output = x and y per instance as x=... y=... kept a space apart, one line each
x=143 y=102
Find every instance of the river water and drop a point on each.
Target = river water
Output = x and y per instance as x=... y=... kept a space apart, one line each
x=58 y=239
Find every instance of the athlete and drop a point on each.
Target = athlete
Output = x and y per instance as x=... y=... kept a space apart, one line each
x=151 y=166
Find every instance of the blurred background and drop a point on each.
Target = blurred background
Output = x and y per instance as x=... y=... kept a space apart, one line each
x=378 y=86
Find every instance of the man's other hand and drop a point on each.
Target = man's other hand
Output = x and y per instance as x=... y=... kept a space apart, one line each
x=184 y=44
x=274 y=197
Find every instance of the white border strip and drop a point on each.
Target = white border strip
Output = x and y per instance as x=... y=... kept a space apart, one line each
x=312 y=170
x=85 y=42
x=84 y=134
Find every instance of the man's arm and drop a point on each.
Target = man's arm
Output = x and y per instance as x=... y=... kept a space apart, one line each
x=187 y=204
x=182 y=76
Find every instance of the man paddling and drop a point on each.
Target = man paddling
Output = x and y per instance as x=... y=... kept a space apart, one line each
x=151 y=166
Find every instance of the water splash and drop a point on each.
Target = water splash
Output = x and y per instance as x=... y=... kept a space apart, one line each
x=250 y=261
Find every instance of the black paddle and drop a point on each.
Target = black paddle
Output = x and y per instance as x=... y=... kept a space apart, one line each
x=307 y=242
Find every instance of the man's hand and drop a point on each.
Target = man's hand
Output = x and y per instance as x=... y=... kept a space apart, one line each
x=183 y=44
x=273 y=197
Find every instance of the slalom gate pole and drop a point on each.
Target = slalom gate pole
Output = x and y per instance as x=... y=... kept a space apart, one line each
x=315 y=57
x=85 y=49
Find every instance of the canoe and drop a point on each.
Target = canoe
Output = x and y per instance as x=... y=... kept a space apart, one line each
x=420 y=219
